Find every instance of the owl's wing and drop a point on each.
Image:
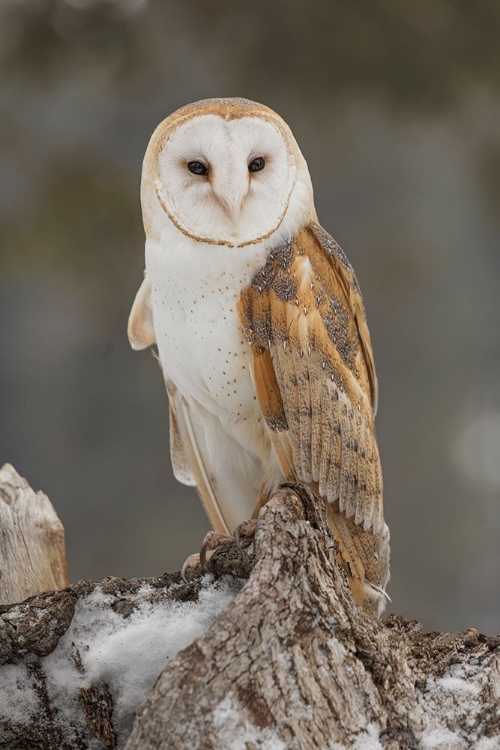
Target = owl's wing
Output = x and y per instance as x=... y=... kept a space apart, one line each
x=141 y=334
x=314 y=373
x=186 y=457
x=141 y=329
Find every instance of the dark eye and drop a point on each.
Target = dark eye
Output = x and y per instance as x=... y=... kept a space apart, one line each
x=257 y=164
x=197 y=167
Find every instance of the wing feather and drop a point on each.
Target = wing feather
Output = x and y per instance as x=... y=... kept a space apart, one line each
x=350 y=284
x=187 y=457
x=187 y=460
x=303 y=393
x=141 y=331
x=269 y=397
x=316 y=427
x=304 y=318
x=328 y=450
x=181 y=463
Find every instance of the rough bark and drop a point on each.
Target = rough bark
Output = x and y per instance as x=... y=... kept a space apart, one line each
x=34 y=629
x=291 y=662
x=294 y=661
x=32 y=548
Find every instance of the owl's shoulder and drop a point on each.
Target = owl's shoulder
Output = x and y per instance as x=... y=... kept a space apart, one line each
x=306 y=295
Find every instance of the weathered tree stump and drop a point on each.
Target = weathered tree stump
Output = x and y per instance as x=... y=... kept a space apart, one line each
x=279 y=657
x=294 y=663
x=32 y=548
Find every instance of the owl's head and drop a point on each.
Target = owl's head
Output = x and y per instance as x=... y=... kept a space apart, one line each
x=225 y=172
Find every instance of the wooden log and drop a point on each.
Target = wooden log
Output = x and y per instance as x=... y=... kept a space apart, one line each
x=294 y=663
x=280 y=658
x=32 y=547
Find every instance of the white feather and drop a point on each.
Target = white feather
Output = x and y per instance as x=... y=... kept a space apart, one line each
x=215 y=508
x=195 y=288
x=231 y=204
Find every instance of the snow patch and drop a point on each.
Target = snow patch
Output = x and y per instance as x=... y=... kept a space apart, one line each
x=442 y=739
x=103 y=647
x=457 y=685
x=129 y=653
x=236 y=732
x=453 y=708
x=18 y=699
x=488 y=743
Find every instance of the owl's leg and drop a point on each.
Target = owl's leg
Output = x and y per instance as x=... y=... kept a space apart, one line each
x=245 y=532
x=235 y=476
x=264 y=496
x=243 y=537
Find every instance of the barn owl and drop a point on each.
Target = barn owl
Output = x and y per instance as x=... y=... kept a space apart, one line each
x=261 y=331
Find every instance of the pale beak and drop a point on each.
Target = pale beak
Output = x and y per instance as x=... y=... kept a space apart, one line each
x=232 y=208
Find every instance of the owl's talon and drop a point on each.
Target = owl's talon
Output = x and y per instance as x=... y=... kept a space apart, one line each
x=244 y=532
x=191 y=563
x=212 y=541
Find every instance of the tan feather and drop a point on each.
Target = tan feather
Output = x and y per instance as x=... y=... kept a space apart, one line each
x=141 y=330
x=350 y=283
x=269 y=398
x=181 y=464
x=305 y=320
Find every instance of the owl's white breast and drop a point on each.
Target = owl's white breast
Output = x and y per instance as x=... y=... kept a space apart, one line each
x=195 y=290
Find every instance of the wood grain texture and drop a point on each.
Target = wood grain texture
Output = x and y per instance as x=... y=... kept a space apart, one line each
x=32 y=546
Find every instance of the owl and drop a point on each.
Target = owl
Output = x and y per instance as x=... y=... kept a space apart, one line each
x=261 y=332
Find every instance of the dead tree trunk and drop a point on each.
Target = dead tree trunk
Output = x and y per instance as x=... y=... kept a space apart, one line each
x=282 y=660
x=32 y=549
x=294 y=663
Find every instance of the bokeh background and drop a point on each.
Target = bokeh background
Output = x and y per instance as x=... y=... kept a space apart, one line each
x=396 y=107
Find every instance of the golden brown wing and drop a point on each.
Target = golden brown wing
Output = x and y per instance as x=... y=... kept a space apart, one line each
x=315 y=381
x=348 y=279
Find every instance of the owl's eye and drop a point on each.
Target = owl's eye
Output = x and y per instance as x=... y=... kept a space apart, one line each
x=257 y=164
x=197 y=167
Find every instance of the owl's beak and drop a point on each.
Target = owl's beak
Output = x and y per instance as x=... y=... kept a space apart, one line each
x=232 y=208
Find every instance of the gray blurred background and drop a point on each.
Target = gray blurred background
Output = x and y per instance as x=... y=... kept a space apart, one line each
x=396 y=107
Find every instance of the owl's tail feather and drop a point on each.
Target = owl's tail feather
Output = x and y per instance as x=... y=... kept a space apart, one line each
x=365 y=556
x=205 y=489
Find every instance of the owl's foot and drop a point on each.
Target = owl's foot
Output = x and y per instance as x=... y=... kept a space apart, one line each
x=212 y=541
x=200 y=563
x=190 y=566
x=197 y=563
x=244 y=534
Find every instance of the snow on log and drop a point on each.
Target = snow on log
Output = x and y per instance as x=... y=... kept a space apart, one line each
x=78 y=662
x=282 y=660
